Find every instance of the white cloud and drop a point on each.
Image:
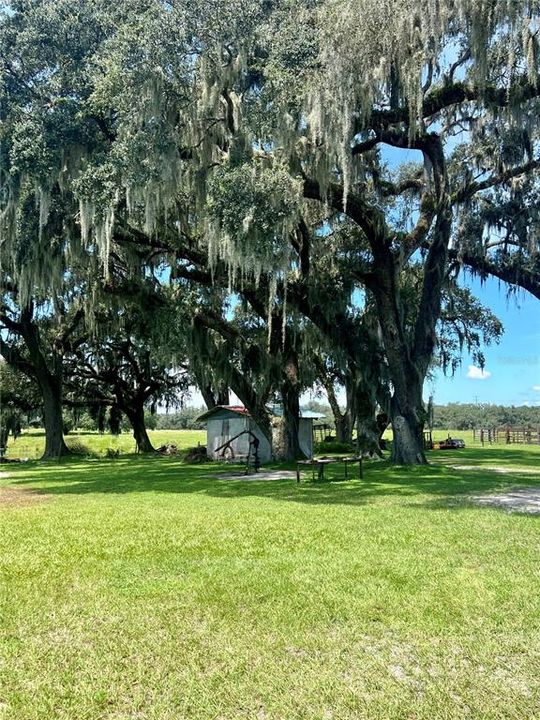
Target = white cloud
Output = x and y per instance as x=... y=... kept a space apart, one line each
x=476 y=373
x=536 y=387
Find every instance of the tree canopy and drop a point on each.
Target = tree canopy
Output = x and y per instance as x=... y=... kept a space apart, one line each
x=263 y=151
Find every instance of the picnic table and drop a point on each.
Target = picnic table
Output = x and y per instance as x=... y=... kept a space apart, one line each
x=319 y=464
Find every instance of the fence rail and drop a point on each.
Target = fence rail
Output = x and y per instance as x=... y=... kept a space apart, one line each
x=508 y=435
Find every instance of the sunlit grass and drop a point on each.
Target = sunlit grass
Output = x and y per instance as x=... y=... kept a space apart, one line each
x=32 y=443
x=146 y=588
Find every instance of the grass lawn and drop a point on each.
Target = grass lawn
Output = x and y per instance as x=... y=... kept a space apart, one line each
x=144 y=588
x=31 y=444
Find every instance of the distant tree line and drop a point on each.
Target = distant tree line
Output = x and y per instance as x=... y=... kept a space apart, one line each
x=466 y=416
x=185 y=419
x=454 y=416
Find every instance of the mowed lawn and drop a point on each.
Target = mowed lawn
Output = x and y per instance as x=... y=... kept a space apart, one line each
x=146 y=588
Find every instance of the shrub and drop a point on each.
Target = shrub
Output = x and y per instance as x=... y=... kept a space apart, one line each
x=196 y=454
x=86 y=422
x=68 y=424
x=79 y=448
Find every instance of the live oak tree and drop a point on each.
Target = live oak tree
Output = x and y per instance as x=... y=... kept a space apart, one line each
x=19 y=401
x=35 y=342
x=386 y=74
x=158 y=119
x=259 y=365
x=131 y=360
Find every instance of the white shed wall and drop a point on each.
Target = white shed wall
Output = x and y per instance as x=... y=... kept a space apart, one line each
x=219 y=430
x=305 y=436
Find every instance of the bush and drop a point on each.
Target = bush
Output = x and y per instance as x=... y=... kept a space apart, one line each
x=86 y=422
x=79 y=448
x=68 y=424
x=333 y=446
x=196 y=454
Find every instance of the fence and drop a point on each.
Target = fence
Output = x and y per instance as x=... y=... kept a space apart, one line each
x=508 y=436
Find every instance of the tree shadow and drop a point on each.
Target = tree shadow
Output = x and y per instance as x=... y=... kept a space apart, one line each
x=444 y=480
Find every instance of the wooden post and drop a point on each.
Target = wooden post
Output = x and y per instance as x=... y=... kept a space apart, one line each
x=361 y=467
x=297 y=474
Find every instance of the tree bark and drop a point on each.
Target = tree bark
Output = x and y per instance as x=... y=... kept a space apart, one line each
x=291 y=422
x=222 y=397
x=135 y=415
x=208 y=396
x=55 y=446
x=213 y=398
x=343 y=428
x=290 y=397
x=342 y=420
x=366 y=425
x=407 y=427
x=406 y=408
x=50 y=385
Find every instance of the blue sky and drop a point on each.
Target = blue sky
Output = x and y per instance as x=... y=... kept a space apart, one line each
x=512 y=367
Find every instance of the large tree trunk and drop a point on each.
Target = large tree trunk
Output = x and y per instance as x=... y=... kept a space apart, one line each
x=366 y=425
x=50 y=385
x=55 y=445
x=135 y=415
x=212 y=396
x=408 y=427
x=208 y=396
x=407 y=411
x=222 y=397
x=343 y=421
x=291 y=422
x=290 y=396
x=343 y=427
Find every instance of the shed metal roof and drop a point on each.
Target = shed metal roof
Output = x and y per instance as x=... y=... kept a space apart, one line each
x=238 y=409
x=241 y=410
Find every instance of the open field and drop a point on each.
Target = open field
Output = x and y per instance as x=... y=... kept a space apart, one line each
x=144 y=588
x=31 y=443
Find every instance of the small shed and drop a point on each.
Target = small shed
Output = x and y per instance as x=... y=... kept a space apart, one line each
x=225 y=422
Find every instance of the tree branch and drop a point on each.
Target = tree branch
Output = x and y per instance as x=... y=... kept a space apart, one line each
x=472 y=188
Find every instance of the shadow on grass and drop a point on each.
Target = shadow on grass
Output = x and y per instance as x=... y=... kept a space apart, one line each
x=441 y=480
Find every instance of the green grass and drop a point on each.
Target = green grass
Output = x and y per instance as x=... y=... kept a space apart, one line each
x=144 y=588
x=31 y=444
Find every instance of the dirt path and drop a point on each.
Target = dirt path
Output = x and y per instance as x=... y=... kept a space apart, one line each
x=525 y=500
x=266 y=475
x=11 y=497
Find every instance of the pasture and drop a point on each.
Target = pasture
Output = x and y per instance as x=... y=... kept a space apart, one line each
x=142 y=587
